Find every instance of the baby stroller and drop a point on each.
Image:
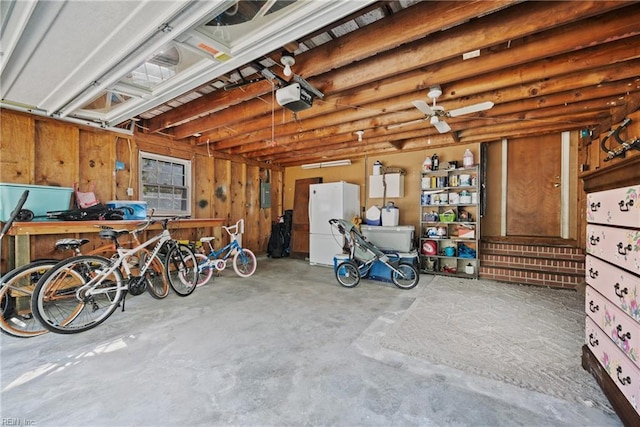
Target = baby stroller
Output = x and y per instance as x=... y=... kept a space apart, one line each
x=363 y=254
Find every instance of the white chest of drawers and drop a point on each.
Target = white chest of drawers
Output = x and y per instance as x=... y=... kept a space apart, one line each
x=612 y=272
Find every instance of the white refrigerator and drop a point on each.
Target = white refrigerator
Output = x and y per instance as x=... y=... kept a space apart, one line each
x=326 y=201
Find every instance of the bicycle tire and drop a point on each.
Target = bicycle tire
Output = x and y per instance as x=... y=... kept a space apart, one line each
x=407 y=277
x=15 y=296
x=348 y=274
x=56 y=305
x=205 y=271
x=182 y=269
x=157 y=283
x=245 y=263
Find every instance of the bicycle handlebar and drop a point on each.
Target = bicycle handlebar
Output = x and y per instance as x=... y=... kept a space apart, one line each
x=147 y=222
x=238 y=227
x=14 y=213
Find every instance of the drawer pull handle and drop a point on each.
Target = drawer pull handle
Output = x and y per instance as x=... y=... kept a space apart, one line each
x=622 y=250
x=592 y=307
x=593 y=341
x=623 y=337
x=593 y=273
x=624 y=207
x=619 y=292
x=594 y=240
x=624 y=381
x=595 y=206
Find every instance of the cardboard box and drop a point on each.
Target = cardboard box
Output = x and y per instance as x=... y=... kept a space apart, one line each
x=139 y=208
x=41 y=199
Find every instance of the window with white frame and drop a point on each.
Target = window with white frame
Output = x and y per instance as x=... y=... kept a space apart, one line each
x=165 y=184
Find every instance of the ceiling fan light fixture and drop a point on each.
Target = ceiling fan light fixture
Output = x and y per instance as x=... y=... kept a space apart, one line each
x=434 y=92
x=359 y=133
x=287 y=60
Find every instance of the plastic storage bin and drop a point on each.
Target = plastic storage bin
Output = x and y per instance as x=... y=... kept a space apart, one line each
x=398 y=238
x=139 y=208
x=42 y=199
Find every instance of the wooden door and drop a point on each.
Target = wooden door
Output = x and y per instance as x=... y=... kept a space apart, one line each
x=300 y=220
x=534 y=186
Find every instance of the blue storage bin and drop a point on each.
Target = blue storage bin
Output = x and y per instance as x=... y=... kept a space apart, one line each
x=139 y=208
x=42 y=198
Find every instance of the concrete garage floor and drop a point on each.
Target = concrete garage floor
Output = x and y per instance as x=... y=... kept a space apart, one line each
x=287 y=347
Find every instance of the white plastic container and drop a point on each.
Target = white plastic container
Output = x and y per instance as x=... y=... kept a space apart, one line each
x=377 y=168
x=467 y=159
x=426 y=165
x=390 y=215
x=374 y=216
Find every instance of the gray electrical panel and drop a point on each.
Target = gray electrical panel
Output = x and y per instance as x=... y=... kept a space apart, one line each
x=265 y=195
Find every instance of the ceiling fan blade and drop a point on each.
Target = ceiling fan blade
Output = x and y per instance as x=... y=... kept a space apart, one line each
x=424 y=107
x=409 y=123
x=442 y=126
x=470 y=109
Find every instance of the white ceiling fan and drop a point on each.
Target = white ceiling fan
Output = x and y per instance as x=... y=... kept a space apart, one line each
x=437 y=114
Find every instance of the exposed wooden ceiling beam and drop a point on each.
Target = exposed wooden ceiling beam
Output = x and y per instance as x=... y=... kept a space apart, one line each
x=450 y=43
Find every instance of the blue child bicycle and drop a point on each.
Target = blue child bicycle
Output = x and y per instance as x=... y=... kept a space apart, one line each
x=243 y=261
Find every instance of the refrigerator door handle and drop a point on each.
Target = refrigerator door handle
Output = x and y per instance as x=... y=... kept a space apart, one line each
x=309 y=207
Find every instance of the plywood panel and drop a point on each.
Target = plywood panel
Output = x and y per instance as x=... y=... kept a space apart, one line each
x=202 y=170
x=237 y=191
x=56 y=154
x=126 y=150
x=97 y=164
x=252 y=209
x=17 y=148
x=222 y=193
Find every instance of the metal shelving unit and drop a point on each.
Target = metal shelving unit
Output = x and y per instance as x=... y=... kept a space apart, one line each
x=450 y=222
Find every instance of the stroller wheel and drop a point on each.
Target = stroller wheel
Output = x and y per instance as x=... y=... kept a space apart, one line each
x=347 y=274
x=405 y=276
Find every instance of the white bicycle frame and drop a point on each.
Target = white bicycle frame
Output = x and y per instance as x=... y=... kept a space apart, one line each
x=119 y=261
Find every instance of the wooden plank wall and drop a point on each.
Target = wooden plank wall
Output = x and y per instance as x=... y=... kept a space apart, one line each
x=43 y=151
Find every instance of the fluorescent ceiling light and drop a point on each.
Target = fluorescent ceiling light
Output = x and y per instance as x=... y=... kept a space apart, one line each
x=346 y=162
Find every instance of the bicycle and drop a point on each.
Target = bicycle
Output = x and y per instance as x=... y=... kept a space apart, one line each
x=16 y=287
x=81 y=292
x=244 y=260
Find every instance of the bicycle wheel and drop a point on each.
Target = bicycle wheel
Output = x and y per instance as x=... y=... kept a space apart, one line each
x=406 y=277
x=15 y=296
x=205 y=271
x=244 y=263
x=182 y=269
x=157 y=283
x=61 y=304
x=347 y=274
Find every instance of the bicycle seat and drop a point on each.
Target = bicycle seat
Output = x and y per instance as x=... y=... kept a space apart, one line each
x=69 y=244
x=207 y=239
x=112 y=234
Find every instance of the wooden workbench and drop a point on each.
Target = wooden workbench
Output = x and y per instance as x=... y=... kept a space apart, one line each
x=22 y=231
